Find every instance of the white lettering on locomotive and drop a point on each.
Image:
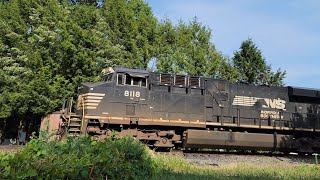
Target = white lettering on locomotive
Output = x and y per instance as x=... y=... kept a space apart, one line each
x=132 y=93
x=271 y=114
x=266 y=102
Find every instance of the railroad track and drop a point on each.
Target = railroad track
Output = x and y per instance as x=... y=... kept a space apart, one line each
x=216 y=158
x=223 y=152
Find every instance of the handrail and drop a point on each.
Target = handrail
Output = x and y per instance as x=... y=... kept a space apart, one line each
x=63 y=106
x=70 y=107
x=215 y=99
x=217 y=89
x=213 y=96
x=82 y=120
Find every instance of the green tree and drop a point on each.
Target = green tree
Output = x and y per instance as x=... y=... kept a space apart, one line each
x=48 y=47
x=253 y=68
x=186 y=49
x=165 y=47
x=80 y=2
x=132 y=29
x=45 y=51
x=225 y=70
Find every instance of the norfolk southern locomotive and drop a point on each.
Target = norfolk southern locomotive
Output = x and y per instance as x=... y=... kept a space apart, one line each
x=168 y=110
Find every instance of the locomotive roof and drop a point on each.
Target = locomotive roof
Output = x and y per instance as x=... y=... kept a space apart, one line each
x=128 y=70
x=295 y=91
x=91 y=84
x=307 y=92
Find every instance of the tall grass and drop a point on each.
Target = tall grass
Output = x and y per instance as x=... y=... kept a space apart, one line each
x=126 y=158
x=78 y=158
x=173 y=167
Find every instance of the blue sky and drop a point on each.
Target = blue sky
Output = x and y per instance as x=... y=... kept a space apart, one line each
x=287 y=32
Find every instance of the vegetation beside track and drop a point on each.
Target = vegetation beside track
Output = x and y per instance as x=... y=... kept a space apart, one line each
x=78 y=158
x=174 y=167
x=125 y=158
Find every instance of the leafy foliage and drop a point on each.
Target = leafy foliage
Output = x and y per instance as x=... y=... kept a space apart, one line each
x=78 y=158
x=81 y=158
x=253 y=68
x=186 y=49
x=131 y=27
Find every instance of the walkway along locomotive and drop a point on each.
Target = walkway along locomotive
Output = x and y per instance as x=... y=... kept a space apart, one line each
x=168 y=110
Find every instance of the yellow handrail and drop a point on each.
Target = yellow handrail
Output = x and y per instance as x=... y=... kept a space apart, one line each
x=82 y=120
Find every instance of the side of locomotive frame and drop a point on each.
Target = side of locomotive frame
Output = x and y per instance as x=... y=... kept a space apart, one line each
x=168 y=110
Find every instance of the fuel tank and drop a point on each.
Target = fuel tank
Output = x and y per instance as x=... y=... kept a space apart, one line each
x=236 y=140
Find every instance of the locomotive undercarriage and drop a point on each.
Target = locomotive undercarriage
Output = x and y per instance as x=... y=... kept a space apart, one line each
x=214 y=137
x=154 y=137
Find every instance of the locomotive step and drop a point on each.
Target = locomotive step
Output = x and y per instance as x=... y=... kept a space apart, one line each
x=74 y=114
x=75 y=125
x=71 y=116
x=74 y=130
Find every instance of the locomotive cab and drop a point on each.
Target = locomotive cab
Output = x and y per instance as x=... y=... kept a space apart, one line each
x=119 y=86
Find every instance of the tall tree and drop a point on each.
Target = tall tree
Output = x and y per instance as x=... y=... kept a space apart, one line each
x=186 y=49
x=165 y=47
x=253 y=68
x=132 y=27
x=48 y=47
x=44 y=53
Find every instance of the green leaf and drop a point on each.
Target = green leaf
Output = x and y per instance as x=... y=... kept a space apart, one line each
x=31 y=173
x=84 y=173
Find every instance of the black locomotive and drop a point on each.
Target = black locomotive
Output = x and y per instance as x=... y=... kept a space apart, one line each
x=168 y=110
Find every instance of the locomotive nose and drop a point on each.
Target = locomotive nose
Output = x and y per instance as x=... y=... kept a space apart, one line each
x=89 y=100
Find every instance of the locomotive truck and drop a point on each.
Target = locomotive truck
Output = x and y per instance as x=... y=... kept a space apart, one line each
x=179 y=111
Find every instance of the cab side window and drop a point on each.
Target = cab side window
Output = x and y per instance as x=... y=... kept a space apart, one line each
x=120 y=79
x=131 y=80
x=136 y=81
x=128 y=80
x=144 y=82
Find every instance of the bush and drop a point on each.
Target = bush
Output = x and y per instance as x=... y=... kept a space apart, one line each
x=78 y=158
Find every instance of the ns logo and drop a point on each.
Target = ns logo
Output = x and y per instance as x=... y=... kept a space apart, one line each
x=265 y=102
x=274 y=104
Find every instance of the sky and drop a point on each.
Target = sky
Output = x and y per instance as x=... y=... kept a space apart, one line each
x=287 y=31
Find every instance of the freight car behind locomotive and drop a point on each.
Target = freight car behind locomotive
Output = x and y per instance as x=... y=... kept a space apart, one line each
x=169 y=110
